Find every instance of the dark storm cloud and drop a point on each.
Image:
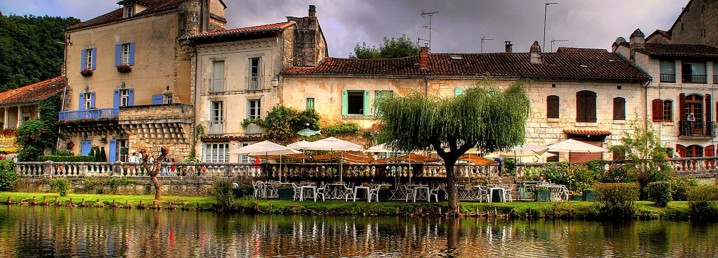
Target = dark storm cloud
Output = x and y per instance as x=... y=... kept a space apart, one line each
x=458 y=27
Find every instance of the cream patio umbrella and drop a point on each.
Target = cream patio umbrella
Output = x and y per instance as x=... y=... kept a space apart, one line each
x=266 y=148
x=334 y=144
x=574 y=146
x=300 y=145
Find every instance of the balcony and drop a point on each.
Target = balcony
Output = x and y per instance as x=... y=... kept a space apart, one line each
x=690 y=78
x=254 y=84
x=715 y=79
x=253 y=129
x=95 y=114
x=695 y=129
x=668 y=77
x=216 y=127
x=216 y=85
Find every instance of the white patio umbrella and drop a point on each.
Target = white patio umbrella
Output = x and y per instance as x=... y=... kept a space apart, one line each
x=572 y=145
x=266 y=148
x=525 y=150
x=300 y=145
x=381 y=148
x=334 y=144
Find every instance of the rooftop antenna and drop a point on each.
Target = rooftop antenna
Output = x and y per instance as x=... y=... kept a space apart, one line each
x=545 y=9
x=557 y=40
x=482 y=43
x=424 y=14
x=419 y=40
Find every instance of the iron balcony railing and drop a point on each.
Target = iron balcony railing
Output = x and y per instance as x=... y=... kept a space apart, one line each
x=695 y=128
x=691 y=78
x=95 y=113
x=715 y=79
x=668 y=77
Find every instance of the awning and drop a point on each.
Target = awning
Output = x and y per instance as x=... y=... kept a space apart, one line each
x=587 y=132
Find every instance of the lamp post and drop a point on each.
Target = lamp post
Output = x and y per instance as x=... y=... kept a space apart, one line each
x=482 y=43
x=545 y=8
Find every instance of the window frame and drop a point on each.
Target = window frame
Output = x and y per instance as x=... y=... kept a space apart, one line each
x=217 y=84
x=88 y=59
x=124 y=97
x=125 y=54
x=553 y=112
x=586 y=106
x=619 y=108
x=667 y=110
x=128 y=11
x=88 y=101
x=216 y=152
x=255 y=71
x=254 y=108
x=310 y=103
x=691 y=75
x=216 y=112
x=359 y=94
x=667 y=77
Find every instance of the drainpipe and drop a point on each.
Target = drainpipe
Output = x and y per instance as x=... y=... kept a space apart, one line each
x=426 y=86
x=645 y=118
x=194 y=98
x=64 y=91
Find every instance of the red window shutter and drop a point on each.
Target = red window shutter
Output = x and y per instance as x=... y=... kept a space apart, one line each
x=658 y=110
x=707 y=108
x=709 y=152
x=681 y=150
x=682 y=107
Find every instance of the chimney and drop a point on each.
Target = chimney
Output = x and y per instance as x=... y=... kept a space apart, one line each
x=508 y=46
x=424 y=57
x=637 y=39
x=312 y=11
x=535 y=52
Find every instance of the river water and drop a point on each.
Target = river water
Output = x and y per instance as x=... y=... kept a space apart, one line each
x=52 y=231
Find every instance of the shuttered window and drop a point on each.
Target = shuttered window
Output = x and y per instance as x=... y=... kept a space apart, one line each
x=657 y=108
x=668 y=110
x=586 y=106
x=619 y=108
x=552 y=106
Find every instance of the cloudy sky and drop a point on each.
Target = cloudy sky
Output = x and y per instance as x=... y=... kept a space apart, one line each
x=458 y=26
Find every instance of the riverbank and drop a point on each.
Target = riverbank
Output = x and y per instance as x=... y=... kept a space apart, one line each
x=526 y=210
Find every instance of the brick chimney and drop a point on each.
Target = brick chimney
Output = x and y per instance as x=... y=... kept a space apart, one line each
x=509 y=46
x=637 y=39
x=312 y=11
x=424 y=57
x=535 y=52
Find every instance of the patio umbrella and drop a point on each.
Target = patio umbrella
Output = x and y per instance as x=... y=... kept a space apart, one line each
x=300 y=145
x=265 y=148
x=526 y=150
x=381 y=148
x=348 y=157
x=478 y=160
x=334 y=144
x=575 y=146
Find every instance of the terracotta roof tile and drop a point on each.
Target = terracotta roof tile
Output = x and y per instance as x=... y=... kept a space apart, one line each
x=677 y=50
x=587 y=132
x=260 y=28
x=116 y=15
x=33 y=92
x=568 y=64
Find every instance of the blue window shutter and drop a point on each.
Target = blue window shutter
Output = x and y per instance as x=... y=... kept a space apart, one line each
x=345 y=103
x=118 y=54
x=92 y=99
x=83 y=60
x=94 y=58
x=367 y=107
x=131 y=97
x=132 y=54
x=157 y=99
x=81 y=103
x=113 y=150
x=458 y=91
x=85 y=148
x=116 y=98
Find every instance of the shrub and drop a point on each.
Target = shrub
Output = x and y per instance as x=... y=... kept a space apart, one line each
x=680 y=186
x=615 y=200
x=7 y=175
x=597 y=166
x=581 y=177
x=223 y=195
x=341 y=129
x=615 y=174
x=60 y=185
x=58 y=158
x=703 y=202
x=660 y=193
x=115 y=182
x=510 y=166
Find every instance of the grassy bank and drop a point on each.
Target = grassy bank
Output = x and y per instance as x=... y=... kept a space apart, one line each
x=528 y=210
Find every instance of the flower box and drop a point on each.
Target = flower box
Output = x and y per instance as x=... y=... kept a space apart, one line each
x=86 y=72
x=123 y=68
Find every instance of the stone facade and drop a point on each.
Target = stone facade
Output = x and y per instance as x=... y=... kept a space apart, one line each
x=697 y=24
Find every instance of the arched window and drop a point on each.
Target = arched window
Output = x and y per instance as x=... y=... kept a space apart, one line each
x=619 y=108
x=586 y=106
x=552 y=106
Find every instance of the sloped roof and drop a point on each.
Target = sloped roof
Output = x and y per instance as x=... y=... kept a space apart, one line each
x=569 y=63
x=677 y=50
x=242 y=31
x=587 y=132
x=116 y=15
x=33 y=92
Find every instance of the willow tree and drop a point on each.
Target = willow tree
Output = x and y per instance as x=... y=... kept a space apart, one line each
x=482 y=117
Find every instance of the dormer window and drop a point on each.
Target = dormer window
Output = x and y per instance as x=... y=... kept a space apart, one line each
x=129 y=11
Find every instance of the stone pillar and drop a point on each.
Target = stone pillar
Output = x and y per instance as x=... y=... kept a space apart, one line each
x=6 y=120
x=19 y=116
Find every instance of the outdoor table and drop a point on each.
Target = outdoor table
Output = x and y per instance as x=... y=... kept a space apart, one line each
x=313 y=188
x=419 y=188
x=502 y=193
x=335 y=190
x=356 y=191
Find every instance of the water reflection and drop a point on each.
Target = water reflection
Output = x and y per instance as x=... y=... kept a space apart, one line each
x=148 y=233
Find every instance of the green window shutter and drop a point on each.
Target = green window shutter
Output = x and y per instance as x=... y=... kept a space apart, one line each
x=458 y=91
x=345 y=103
x=367 y=106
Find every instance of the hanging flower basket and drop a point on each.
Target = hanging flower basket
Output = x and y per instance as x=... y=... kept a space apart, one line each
x=86 y=72
x=123 y=68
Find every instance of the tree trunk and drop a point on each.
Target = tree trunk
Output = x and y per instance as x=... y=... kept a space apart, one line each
x=157 y=184
x=452 y=196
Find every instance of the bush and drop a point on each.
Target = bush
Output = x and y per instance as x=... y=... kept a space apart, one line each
x=659 y=193
x=341 y=129
x=60 y=158
x=680 y=186
x=510 y=166
x=615 y=174
x=581 y=177
x=703 y=202
x=616 y=199
x=60 y=185
x=597 y=166
x=7 y=175
x=223 y=195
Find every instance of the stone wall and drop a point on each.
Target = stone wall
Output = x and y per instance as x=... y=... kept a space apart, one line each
x=199 y=186
x=698 y=24
x=152 y=127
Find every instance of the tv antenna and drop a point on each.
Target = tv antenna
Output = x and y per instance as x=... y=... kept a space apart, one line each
x=556 y=40
x=482 y=43
x=424 y=14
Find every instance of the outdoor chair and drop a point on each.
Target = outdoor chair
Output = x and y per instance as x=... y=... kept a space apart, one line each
x=396 y=194
x=349 y=192
x=374 y=192
x=297 y=191
x=321 y=191
x=435 y=192
x=408 y=191
x=258 y=187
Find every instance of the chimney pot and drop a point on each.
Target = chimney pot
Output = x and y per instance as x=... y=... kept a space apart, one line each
x=312 y=11
x=535 y=53
x=509 y=46
x=424 y=57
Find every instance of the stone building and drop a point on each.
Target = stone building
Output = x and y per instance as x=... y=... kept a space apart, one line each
x=129 y=77
x=237 y=77
x=681 y=61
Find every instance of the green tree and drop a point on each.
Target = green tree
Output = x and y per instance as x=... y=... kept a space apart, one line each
x=282 y=123
x=482 y=117
x=33 y=137
x=31 y=49
x=391 y=48
x=649 y=158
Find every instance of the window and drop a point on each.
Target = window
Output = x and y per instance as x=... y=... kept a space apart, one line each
x=167 y=98
x=379 y=95
x=662 y=110
x=715 y=72
x=667 y=110
x=552 y=106
x=89 y=56
x=88 y=103
x=668 y=71
x=128 y=11
x=216 y=117
x=586 y=106
x=217 y=83
x=254 y=109
x=355 y=102
x=694 y=72
x=694 y=151
x=254 y=64
x=124 y=97
x=216 y=152
x=245 y=159
x=310 y=103
x=126 y=54
x=88 y=60
x=619 y=108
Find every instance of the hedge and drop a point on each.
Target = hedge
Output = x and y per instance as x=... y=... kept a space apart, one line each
x=660 y=193
x=616 y=199
x=57 y=158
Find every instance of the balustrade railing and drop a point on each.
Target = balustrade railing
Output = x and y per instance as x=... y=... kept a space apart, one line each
x=95 y=113
x=695 y=128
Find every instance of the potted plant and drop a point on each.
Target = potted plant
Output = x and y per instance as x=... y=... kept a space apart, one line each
x=543 y=194
x=123 y=68
x=86 y=72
